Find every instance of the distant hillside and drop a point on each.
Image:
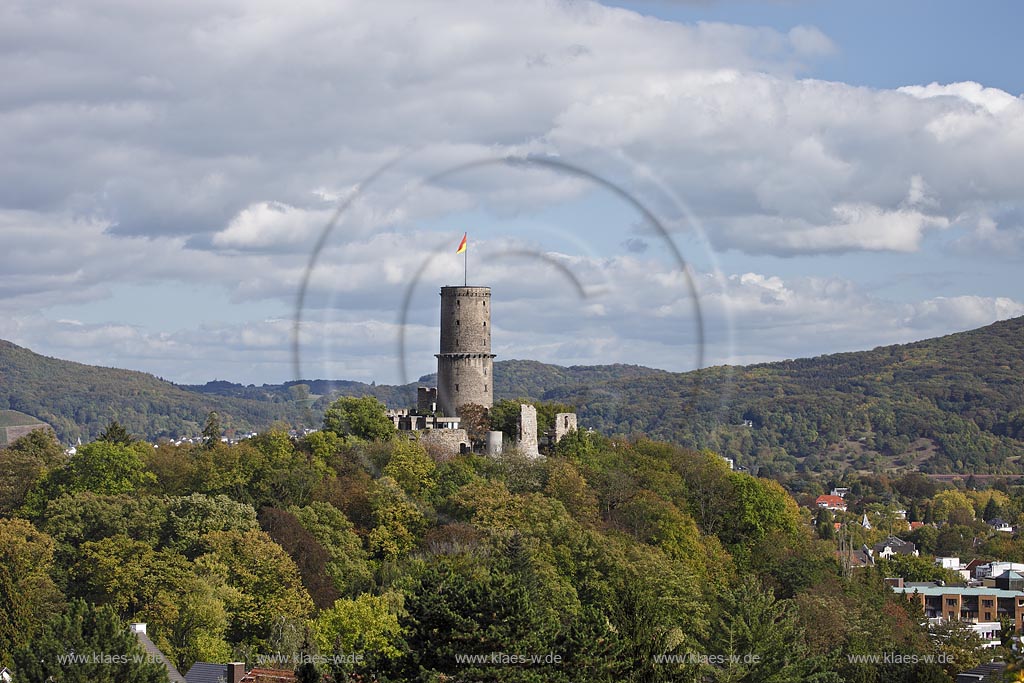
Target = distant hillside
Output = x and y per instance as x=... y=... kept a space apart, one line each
x=952 y=404
x=79 y=400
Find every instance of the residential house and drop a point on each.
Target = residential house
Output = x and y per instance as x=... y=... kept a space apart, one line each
x=858 y=558
x=991 y=570
x=893 y=546
x=139 y=629
x=998 y=524
x=914 y=526
x=954 y=564
x=205 y=672
x=840 y=491
x=831 y=503
x=5 y=675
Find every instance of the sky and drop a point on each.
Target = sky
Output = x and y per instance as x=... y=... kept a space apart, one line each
x=670 y=183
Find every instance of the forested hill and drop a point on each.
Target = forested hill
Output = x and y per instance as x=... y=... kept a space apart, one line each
x=80 y=400
x=951 y=404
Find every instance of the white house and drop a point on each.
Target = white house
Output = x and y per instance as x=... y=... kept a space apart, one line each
x=994 y=569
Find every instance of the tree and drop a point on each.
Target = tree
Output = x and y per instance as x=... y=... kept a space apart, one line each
x=991 y=509
x=475 y=421
x=959 y=643
x=211 y=431
x=364 y=418
x=761 y=640
x=27 y=593
x=347 y=564
x=367 y=626
x=945 y=502
x=25 y=462
x=189 y=518
x=264 y=584
x=309 y=555
x=824 y=524
x=108 y=651
x=115 y=433
x=101 y=467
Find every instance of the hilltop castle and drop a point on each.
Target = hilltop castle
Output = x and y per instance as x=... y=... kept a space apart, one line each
x=465 y=376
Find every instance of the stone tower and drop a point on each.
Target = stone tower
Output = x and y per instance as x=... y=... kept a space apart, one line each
x=465 y=364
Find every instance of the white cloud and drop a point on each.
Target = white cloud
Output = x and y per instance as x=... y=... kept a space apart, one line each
x=208 y=142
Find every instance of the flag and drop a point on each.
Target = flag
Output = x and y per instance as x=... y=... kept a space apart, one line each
x=462 y=244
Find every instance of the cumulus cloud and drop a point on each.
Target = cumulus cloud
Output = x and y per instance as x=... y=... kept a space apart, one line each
x=211 y=142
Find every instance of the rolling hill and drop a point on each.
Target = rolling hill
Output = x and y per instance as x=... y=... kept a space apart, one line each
x=950 y=404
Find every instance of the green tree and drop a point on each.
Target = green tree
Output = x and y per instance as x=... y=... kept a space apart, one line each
x=24 y=463
x=991 y=509
x=261 y=584
x=101 y=467
x=960 y=645
x=761 y=640
x=212 y=431
x=115 y=433
x=824 y=524
x=89 y=632
x=189 y=518
x=367 y=625
x=347 y=565
x=28 y=593
x=364 y=418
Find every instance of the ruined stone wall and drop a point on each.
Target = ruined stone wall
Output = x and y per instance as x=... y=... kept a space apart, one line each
x=528 y=430
x=494 y=443
x=564 y=423
x=426 y=399
x=446 y=443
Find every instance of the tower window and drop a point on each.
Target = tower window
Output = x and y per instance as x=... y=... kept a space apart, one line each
x=457 y=322
x=456 y=387
x=485 y=387
x=458 y=303
x=485 y=323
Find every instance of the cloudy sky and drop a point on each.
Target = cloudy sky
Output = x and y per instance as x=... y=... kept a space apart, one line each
x=773 y=179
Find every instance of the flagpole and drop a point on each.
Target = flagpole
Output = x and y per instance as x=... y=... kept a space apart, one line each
x=465 y=267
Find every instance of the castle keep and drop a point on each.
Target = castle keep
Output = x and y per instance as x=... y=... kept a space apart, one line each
x=465 y=364
x=465 y=375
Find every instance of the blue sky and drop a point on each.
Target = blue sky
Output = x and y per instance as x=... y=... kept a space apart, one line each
x=837 y=176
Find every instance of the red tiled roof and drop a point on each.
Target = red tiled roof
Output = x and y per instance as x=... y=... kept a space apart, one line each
x=831 y=501
x=916 y=525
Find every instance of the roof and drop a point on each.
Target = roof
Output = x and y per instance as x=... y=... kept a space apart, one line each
x=829 y=500
x=204 y=672
x=897 y=544
x=992 y=671
x=916 y=525
x=151 y=649
x=996 y=521
x=1011 y=575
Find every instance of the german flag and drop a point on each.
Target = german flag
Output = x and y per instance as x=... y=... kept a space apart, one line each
x=462 y=244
